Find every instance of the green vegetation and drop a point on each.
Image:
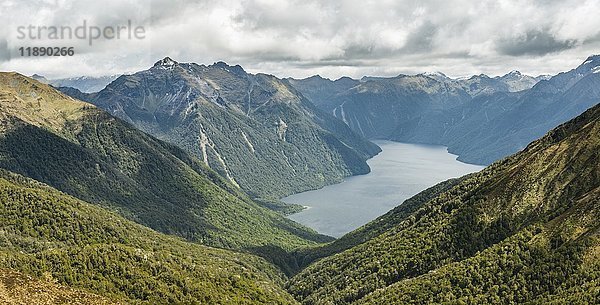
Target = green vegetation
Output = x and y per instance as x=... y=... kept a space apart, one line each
x=522 y=230
x=47 y=233
x=86 y=153
x=307 y=255
x=279 y=206
x=525 y=268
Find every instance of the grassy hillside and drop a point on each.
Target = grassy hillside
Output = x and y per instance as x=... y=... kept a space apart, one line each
x=46 y=233
x=85 y=152
x=522 y=230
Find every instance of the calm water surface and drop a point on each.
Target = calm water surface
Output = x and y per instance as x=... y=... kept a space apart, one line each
x=399 y=172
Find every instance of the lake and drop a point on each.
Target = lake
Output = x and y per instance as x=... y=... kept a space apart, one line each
x=400 y=171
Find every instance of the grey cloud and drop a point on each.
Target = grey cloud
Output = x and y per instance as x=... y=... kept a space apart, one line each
x=534 y=42
x=4 y=51
x=356 y=51
x=363 y=37
x=332 y=63
x=291 y=15
x=592 y=40
x=421 y=40
x=163 y=12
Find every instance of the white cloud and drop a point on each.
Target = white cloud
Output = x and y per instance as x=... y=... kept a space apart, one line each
x=332 y=38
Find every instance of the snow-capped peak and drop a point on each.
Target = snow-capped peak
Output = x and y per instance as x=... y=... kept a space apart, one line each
x=593 y=60
x=514 y=74
x=434 y=73
x=165 y=63
x=437 y=75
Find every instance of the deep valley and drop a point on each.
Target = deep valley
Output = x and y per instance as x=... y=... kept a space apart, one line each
x=184 y=184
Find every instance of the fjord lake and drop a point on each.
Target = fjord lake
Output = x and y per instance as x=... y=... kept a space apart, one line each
x=400 y=171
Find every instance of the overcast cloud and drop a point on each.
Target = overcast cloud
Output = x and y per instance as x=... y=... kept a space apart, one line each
x=300 y=38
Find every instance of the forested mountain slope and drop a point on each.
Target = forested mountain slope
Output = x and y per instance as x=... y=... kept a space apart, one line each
x=85 y=152
x=78 y=248
x=525 y=229
x=20 y=289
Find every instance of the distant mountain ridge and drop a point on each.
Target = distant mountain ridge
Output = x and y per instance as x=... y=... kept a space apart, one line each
x=480 y=118
x=255 y=130
x=318 y=89
x=85 y=84
x=519 y=82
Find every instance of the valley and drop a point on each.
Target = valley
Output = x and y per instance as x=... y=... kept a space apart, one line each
x=255 y=130
x=285 y=152
x=165 y=187
x=399 y=172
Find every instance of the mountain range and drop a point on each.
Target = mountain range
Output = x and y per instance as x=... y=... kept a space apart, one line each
x=161 y=187
x=82 y=228
x=86 y=84
x=255 y=130
x=481 y=119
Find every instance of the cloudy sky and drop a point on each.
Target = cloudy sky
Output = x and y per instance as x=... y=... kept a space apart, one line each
x=300 y=38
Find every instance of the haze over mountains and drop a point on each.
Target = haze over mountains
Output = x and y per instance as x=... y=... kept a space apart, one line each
x=84 y=84
x=481 y=119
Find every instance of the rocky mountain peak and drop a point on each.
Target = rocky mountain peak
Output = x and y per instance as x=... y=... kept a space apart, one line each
x=592 y=64
x=593 y=60
x=345 y=80
x=434 y=73
x=166 y=62
x=40 y=78
x=316 y=77
x=437 y=75
x=237 y=69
